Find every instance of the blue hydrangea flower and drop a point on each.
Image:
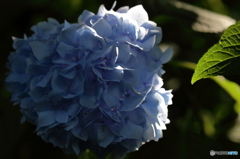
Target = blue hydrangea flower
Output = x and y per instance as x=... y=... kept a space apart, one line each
x=95 y=84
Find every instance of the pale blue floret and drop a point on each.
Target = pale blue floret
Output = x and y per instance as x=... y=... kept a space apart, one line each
x=95 y=84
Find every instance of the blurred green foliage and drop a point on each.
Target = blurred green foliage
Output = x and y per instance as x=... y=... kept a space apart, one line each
x=203 y=115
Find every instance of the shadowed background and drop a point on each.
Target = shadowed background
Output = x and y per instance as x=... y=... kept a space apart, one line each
x=202 y=115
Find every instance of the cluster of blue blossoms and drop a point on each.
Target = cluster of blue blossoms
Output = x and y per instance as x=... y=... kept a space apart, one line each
x=95 y=84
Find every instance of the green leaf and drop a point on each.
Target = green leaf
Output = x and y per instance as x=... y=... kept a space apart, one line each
x=223 y=58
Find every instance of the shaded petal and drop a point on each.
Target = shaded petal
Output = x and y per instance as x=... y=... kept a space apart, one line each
x=46 y=118
x=70 y=71
x=41 y=49
x=106 y=141
x=77 y=85
x=132 y=131
x=43 y=30
x=38 y=93
x=105 y=136
x=64 y=49
x=89 y=41
x=76 y=131
x=88 y=101
x=124 y=53
x=59 y=60
x=58 y=82
x=73 y=108
x=167 y=55
x=113 y=75
x=68 y=36
x=86 y=116
x=71 y=124
x=15 y=77
x=113 y=95
x=45 y=79
x=132 y=102
x=137 y=116
x=115 y=128
x=76 y=148
x=61 y=116
x=102 y=132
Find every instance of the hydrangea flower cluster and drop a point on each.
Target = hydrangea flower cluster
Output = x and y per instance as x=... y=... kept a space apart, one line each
x=95 y=84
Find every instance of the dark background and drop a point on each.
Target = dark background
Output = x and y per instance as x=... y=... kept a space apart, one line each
x=202 y=116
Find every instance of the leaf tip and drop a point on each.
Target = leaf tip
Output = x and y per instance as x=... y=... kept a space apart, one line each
x=194 y=78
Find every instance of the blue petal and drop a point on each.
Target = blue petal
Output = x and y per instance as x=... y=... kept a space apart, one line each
x=148 y=43
x=153 y=104
x=77 y=85
x=68 y=36
x=38 y=93
x=65 y=49
x=71 y=124
x=73 y=109
x=41 y=49
x=89 y=41
x=15 y=77
x=105 y=136
x=167 y=55
x=61 y=116
x=130 y=28
x=113 y=95
x=76 y=131
x=124 y=53
x=59 y=60
x=137 y=116
x=85 y=16
x=76 y=148
x=18 y=63
x=88 y=101
x=69 y=96
x=115 y=128
x=45 y=79
x=58 y=83
x=27 y=103
x=53 y=21
x=102 y=132
x=43 y=30
x=70 y=71
x=106 y=141
x=132 y=102
x=46 y=118
x=113 y=75
x=102 y=28
x=97 y=72
x=132 y=131
x=86 y=116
